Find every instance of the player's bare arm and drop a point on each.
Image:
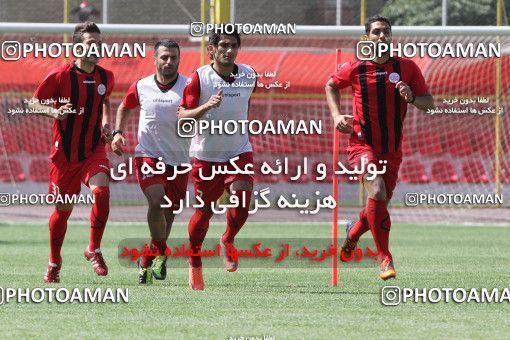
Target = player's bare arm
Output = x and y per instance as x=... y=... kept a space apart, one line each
x=421 y=102
x=107 y=132
x=198 y=112
x=342 y=122
x=121 y=119
x=49 y=111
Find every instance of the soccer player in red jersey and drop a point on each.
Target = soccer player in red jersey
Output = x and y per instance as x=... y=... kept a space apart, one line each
x=219 y=92
x=382 y=90
x=78 y=152
x=158 y=96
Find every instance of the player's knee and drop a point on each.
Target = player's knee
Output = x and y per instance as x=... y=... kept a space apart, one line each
x=101 y=179
x=379 y=194
x=241 y=185
x=64 y=207
x=206 y=209
x=169 y=219
x=155 y=202
x=237 y=216
x=377 y=189
x=243 y=190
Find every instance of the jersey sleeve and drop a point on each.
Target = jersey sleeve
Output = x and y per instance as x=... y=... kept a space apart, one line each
x=191 y=93
x=417 y=83
x=342 y=77
x=49 y=87
x=131 y=100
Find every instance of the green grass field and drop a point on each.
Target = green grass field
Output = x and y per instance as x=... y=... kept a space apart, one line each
x=286 y=304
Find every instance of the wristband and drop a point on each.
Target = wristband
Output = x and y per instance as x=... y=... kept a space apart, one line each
x=412 y=101
x=116 y=132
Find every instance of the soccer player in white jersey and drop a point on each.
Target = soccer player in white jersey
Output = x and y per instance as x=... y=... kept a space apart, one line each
x=213 y=92
x=158 y=96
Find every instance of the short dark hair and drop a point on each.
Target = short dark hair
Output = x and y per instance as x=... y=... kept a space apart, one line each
x=168 y=44
x=84 y=27
x=215 y=38
x=376 y=18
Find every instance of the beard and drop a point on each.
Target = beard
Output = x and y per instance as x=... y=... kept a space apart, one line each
x=91 y=60
x=168 y=72
x=224 y=62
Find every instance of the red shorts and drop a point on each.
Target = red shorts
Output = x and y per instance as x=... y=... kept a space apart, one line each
x=175 y=189
x=356 y=152
x=66 y=177
x=211 y=190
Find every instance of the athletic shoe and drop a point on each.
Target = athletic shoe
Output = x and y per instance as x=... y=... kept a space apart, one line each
x=387 y=269
x=230 y=264
x=97 y=260
x=52 y=273
x=159 y=267
x=144 y=274
x=349 y=246
x=196 y=278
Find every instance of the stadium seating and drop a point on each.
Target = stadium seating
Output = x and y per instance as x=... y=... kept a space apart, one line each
x=458 y=144
x=292 y=172
x=473 y=171
x=39 y=170
x=413 y=171
x=278 y=144
x=38 y=141
x=8 y=143
x=259 y=177
x=505 y=141
x=328 y=140
x=504 y=173
x=329 y=177
x=429 y=143
x=11 y=170
x=314 y=174
x=37 y=147
x=443 y=171
x=407 y=146
x=258 y=143
x=310 y=144
x=484 y=143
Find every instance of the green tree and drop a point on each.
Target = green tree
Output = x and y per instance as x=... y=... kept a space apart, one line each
x=428 y=12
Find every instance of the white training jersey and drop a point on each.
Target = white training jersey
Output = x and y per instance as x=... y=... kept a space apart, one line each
x=157 y=128
x=234 y=106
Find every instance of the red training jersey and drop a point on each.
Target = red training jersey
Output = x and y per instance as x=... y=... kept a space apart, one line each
x=379 y=110
x=79 y=134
